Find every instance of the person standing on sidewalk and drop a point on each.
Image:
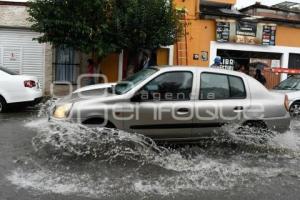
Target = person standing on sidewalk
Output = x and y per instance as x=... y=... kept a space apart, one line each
x=261 y=78
x=217 y=62
x=91 y=71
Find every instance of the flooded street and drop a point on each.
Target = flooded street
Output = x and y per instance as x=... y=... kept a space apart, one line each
x=40 y=160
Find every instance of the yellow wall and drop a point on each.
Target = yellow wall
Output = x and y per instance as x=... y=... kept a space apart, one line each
x=232 y=2
x=162 y=56
x=191 y=6
x=288 y=36
x=200 y=34
x=109 y=67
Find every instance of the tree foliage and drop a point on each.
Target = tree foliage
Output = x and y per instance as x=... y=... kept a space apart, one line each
x=146 y=24
x=105 y=26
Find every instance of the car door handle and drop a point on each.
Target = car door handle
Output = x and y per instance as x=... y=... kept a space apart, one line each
x=238 y=108
x=183 y=111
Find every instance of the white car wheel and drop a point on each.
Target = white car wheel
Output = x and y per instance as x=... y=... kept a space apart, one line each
x=295 y=110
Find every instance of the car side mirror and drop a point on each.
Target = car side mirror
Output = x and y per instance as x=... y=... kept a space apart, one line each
x=136 y=98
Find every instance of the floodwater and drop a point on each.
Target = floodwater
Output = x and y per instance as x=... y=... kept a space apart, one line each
x=43 y=160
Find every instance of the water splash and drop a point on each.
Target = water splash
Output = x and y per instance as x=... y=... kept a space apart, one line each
x=73 y=140
x=44 y=108
x=99 y=155
x=208 y=176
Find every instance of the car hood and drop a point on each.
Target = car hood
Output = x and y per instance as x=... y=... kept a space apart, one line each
x=87 y=93
x=95 y=87
x=85 y=96
x=292 y=94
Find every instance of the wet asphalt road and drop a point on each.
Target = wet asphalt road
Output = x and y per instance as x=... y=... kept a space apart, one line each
x=15 y=146
x=210 y=172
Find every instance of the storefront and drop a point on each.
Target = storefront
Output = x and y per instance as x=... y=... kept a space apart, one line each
x=249 y=44
x=272 y=56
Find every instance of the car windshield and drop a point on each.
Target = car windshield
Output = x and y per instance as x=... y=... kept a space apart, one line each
x=7 y=71
x=129 y=83
x=292 y=83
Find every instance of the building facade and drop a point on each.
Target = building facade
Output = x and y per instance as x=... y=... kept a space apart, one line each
x=253 y=35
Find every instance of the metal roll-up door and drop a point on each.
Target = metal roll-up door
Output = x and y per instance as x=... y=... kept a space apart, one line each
x=19 y=52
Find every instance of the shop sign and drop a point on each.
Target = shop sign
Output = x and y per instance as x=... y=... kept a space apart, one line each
x=244 y=28
x=269 y=34
x=228 y=63
x=223 y=31
x=246 y=32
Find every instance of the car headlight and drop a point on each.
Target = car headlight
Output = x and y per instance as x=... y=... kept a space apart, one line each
x=63 y=111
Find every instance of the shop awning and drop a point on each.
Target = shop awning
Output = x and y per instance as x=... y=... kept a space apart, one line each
x=221 y=12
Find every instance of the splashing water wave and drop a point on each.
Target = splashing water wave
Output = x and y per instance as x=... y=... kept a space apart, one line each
x=157 y=170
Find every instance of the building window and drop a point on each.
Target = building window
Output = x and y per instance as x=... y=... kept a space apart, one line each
x=66 y=70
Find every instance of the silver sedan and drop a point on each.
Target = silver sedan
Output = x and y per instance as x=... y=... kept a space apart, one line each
x=179 y=103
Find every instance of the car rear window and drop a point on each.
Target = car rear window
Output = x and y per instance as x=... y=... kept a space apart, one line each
x=221 y=86
x=8 y=71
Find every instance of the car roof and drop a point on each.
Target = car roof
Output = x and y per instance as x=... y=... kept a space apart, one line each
x=297 y=76
x=200 y=69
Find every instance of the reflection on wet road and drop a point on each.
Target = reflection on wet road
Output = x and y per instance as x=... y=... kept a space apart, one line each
x=40 y=160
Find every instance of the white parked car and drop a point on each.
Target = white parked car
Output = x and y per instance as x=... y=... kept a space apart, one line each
x=16 y=88
x=291 y=87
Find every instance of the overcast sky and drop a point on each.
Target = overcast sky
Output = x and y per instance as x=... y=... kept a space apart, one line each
x=240 y=3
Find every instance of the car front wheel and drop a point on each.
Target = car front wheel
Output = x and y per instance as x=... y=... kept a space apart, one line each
x=3 y=104
x=295 y=110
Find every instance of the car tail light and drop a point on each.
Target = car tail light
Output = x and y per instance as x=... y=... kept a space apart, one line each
x=286 y=103
x=29 y=84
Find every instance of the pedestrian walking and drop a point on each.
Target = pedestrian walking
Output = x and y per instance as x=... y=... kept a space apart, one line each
x=261 y=78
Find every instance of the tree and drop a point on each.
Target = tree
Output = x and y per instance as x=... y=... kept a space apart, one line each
x=146 y=24
x=105 y=26
x=83 y=25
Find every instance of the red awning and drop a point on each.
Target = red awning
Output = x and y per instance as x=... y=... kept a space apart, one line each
x=285 y=71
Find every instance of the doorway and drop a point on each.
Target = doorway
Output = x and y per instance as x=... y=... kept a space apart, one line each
x=254 y=60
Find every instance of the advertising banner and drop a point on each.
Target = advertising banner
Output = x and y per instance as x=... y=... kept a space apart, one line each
x=223 y=31
x=246 y=32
